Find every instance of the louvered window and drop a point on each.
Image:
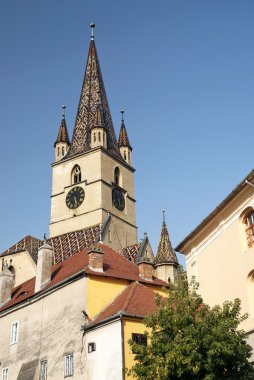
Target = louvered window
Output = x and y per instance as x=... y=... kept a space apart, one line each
x=43 y=370
x=68 y=365
x=5 y=373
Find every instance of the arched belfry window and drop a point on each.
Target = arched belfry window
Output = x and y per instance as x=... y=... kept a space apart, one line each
x=249 y=226
x=117 y=176
x=76 y=174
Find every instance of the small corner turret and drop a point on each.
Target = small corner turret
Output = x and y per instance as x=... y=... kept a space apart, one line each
x=98 y=130
x=124 y=143
x=62 y=143
x=166 y=263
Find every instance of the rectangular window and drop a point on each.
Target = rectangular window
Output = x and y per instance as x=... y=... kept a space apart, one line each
x=14 y=332
x=68 y=365
x=139 y=339
x=43 y=370
x=91 y=347
x=5 y=373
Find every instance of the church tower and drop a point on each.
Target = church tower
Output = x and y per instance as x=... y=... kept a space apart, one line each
x=93 y=179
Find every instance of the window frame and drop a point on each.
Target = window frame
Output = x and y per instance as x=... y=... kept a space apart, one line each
x=12 y=340
x=140 y=339
x=249 y=227
x=68 y=371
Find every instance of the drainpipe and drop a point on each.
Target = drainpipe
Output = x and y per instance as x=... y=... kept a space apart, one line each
x=123 y=354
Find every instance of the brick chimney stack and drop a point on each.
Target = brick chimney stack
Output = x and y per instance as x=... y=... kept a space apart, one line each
x=96 y=259
x=146 y=269
x=44 y=266
x=6 y=284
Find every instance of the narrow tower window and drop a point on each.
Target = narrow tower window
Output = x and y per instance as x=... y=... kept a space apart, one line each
x=62 y=151
x=94 y=137
x=76 y=174
x=117 y=176
x=99 y=136
x=58 y=151
x=249 y=227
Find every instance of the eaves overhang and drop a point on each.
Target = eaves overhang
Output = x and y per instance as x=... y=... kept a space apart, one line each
x=182 y=245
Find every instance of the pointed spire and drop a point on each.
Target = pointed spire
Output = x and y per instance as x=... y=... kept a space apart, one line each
x=165 y=252
x=92 y=85
x=123 y=137
x=63 y=136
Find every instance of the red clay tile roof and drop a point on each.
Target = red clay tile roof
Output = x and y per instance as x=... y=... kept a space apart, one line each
x=62 y=133
x=136 y=300
x=114 y=266
x=64 y=246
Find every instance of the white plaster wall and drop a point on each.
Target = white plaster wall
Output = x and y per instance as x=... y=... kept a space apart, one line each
x=48 y=329
x=219 y=258
x=106 y=362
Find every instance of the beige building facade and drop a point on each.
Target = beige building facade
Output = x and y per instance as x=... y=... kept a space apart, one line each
x=220 y=252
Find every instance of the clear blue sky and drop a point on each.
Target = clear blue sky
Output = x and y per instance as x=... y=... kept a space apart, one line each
x=183 y=71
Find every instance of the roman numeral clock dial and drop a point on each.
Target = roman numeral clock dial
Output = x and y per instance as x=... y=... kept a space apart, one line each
x=75 y=197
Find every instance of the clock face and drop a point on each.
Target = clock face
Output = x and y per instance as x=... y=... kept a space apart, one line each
x=75 y=197
x=118 y=199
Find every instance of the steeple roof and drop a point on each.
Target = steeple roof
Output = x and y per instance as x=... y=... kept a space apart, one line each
x=63 y=136
x=123 y=137
x=165 y=252
x=92 y=90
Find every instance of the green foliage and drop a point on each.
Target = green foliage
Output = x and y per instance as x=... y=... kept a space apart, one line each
x=189 y=340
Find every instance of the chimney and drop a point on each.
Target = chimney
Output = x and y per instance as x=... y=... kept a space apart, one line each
x=6 y=284
x=146 y=269
x=96 y=259
x=44 y=265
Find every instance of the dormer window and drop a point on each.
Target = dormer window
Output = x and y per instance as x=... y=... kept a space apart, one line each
x=249 y=227
x=76 y=174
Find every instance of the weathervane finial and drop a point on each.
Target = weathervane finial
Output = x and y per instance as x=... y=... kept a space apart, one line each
x=122 y=112
x=163 y=217
x=63 y=114
x=92 y=26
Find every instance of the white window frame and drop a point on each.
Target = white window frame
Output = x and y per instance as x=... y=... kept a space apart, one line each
x=14 y=337
x=43 y=369
x=5 y=373
x=68 y=365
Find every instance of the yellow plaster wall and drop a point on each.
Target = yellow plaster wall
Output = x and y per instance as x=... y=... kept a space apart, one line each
x=101 y=291
x=130 y=326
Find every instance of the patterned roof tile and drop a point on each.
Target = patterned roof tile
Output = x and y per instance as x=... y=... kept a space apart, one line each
x=131 y=252
x=92 y=89
x=62 y=136
x=123 y=137
x=165 y=252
